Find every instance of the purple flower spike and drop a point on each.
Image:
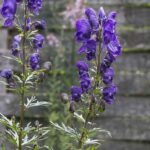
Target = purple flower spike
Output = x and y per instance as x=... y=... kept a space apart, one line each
x=109 y=93
x=92 y=17
x=76 y=93
x=35 y=6
x=34 y=61
x=83 y=30
x=38 y=41
x=8 y=12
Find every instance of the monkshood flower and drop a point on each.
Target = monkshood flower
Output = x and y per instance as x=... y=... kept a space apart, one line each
x=76 y=93
x=82 y=67
x=89 y=48
x=38 y=41
x=98 y=32
x=34 y=61
x=93 y=18
x=108 y=75
x=109 y=93
x=7 y=74
x=15 y=45
x=85 y=81
x=83 y=28
x=8 y=12
x=106 y=63
x=35 y=6
x=40 y=25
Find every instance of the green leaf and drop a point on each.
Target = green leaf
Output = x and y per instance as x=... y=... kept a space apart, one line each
x=32 y=102
x=66 y=129
x=79 y=117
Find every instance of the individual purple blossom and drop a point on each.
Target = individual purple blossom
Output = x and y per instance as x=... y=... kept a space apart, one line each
x=35 y=6
x=89 y=48
x=76 y=93
x=8 y=12
x=34 y=61
x=109 y=93
x=107 y=75
x=38 y=41
x=40 y=25
x=93 y=18
x=114 y=47
x=85 y=84
x=84 y=77
x=7 y=73
x=106 y=62
x=82 y=66
x=83 y=30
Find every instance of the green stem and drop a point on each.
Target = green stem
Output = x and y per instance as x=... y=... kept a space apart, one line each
x=22 y=113
x=90 y=110
x=83 y=134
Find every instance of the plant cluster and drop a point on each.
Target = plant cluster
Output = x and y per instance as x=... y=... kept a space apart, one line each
x=99 y=48
x=25 y=49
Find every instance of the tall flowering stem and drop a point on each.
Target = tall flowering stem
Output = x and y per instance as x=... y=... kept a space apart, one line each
x=22 y=115
x=101 y=47
x=25 y=50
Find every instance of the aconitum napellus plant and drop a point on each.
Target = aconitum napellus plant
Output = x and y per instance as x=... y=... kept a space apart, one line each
x=99 y=47
x=26 y=50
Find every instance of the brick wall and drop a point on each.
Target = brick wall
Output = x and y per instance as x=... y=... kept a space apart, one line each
x=129 y=118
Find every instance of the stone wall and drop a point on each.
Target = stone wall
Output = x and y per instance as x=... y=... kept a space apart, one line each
x=129 y=118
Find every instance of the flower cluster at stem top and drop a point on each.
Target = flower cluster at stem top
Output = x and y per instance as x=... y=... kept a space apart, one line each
x=99 y=43
x=8 y=12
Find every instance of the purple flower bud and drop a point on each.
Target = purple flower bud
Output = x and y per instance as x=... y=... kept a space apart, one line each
x=34 y=61
x=102 y=14
x=35 y=6
x=108 y=75
x=40 y=25
x=109 y=93
x=92 y=17
x=83 y=30
x=76 y=93
x=72 y=107
x=38 y=41
x=112 y=15
x=64 y=98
